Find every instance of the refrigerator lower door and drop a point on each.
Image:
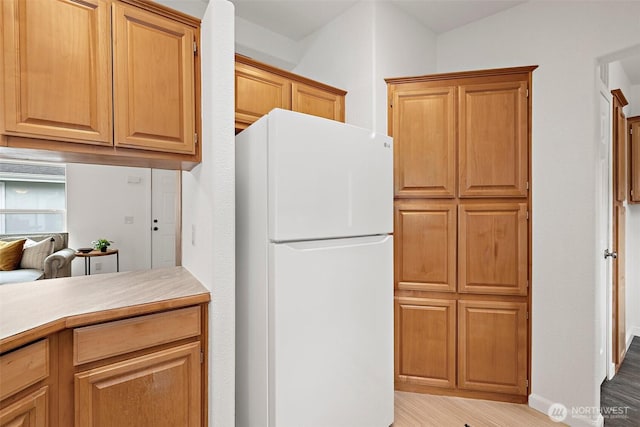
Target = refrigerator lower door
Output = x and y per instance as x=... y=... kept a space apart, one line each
x=331 y=333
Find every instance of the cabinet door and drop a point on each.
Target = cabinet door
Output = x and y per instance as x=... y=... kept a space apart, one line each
x=310 y=100
x=425 y=246
x=153 y=63
x=492 y=346
x=493 y=248
x=493 y=131
x=634 y=162
x=425 y=341
x=57 y=69
x=161 y=389
x=424 y=141
x=257 y=93
x=30 y=411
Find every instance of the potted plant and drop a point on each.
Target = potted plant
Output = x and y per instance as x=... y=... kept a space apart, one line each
x=101 y=244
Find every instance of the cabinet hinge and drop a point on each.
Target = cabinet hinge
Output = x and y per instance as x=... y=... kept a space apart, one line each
x=527 y=185
x=630 y=131
x=527 y=315
x=195 y=48
x=527 y=215
x=527 y=93
x=195 y=138
x=201 y=357
x=526 y=383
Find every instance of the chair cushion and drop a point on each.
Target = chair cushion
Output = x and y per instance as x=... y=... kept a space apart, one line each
x=34 y=253
x=19 y=276
x=10 y=254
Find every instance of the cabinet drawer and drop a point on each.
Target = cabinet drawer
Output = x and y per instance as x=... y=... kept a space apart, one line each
x=23 y=367
x=123 y=336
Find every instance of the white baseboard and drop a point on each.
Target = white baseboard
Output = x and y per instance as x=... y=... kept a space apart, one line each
x=542 y=404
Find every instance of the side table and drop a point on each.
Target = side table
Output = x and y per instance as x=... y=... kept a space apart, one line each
x=94 y=253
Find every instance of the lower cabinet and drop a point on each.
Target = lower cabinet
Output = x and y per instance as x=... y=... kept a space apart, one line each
x=157 y=389
x=142 y=371
x=30 y=411
x=452 y=346
x=425 y=341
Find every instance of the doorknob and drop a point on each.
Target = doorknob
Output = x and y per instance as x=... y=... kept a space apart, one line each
x=155 y=228
x=608 y=254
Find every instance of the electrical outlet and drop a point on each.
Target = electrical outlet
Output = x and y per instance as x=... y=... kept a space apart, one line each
x=98 y=266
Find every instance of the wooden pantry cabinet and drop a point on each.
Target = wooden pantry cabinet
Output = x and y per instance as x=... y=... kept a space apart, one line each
x=260 y=88
x=101 y=81
x=462 y=232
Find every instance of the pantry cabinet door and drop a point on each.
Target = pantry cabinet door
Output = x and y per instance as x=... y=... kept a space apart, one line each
x=493 y=126
x=424 y=142
x=492 y=346
x=425 y=245
x=62 y=89
x=425 y=341
x=493 y=248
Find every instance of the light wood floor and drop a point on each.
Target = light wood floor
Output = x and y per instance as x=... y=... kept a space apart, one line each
x=413 y=410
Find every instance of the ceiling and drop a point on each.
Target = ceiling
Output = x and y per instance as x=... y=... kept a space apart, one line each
x=297 y=19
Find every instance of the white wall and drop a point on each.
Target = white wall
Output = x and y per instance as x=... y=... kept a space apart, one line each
x=565 y=39
x=208 y=207
x=403 y=47
x=264 y=45
x=341 y=54
x=98 y=199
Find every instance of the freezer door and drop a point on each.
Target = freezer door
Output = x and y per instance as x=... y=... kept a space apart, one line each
x=331 y=333
x=327 y=179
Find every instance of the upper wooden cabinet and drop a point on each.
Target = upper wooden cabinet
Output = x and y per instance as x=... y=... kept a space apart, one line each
x=154 y=81
x=260 y=88
x=493 y=131
x=424 y=142
x=619 y=121
x=120 y=80
x=258 y=92
x=57 y=86
x=634 y=159
x=461 y=134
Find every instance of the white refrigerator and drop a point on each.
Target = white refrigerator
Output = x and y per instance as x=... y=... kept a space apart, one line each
x=314 y=274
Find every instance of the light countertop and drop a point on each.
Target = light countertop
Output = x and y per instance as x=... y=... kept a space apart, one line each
x=29 y=311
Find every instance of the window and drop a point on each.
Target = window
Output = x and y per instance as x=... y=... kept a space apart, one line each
x=32 y=197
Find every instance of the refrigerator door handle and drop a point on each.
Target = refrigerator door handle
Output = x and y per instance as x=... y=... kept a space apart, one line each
x=336 y=243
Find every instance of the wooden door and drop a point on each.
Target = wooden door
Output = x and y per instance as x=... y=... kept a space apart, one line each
x=74 y=71
x=425 y=245
x=310 y=100
x=257 y=93
x=154 y=79
x=493 y=134
x=30 y=411
x=634 y=160
x=161 y=389
x=492 y=346
x=619 y=217
x=425 y=341
x=423 y=124
x=493 y=248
